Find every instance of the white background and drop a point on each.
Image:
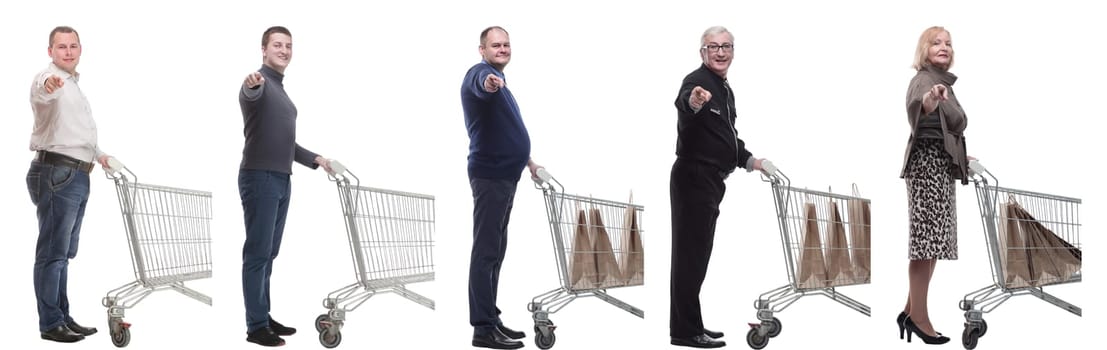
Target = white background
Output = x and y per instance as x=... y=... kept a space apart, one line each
x=820 y=89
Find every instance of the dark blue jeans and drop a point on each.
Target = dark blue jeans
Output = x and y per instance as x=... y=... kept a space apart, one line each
x=492 y=201
x=265 y=196
x=60 y=194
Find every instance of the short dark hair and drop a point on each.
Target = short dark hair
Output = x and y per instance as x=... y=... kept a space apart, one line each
x=484 y=33
x=271 y=31
x=63 y=29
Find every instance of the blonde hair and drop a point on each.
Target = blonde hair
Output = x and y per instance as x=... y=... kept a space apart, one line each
x=922 y=51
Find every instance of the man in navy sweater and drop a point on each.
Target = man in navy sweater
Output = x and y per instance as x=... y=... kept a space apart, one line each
x=264 y=179
x=499 y=148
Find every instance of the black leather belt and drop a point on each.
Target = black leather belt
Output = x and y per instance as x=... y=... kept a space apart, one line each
x=63 y=160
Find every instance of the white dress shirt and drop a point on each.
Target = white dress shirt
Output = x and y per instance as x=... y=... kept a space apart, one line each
x=63 y=119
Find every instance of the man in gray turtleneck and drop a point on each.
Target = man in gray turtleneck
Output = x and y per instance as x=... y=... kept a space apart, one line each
x=264 y=181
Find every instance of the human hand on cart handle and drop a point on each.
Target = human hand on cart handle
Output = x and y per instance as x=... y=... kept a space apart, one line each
x=699 y=97
x=253 y=80
x=105 y=162
x=325 y=163
x=534 y=169
x=493 y=83
x=764 y=165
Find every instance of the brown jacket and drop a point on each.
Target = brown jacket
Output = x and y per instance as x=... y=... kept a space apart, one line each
x=952 y=116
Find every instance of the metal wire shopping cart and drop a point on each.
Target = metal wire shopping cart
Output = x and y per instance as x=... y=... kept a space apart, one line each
x=812 y=232
x=169 y=237
x=1033 y=241
x=595 y=252
x=391 y=238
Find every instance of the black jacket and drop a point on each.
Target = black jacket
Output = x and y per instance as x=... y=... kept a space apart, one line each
x=709 y=135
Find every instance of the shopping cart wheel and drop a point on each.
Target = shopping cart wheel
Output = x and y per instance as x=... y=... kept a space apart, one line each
x=320 y=321
x=970 y=337
x=121 y=338
x=983 y=327
x=330 y=338
x=756 y=340
x=542 y=341
x=774 y=328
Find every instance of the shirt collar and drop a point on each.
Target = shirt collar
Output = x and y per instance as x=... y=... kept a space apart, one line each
x=62 y=73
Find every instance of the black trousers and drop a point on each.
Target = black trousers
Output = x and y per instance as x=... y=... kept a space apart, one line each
x=695 y=191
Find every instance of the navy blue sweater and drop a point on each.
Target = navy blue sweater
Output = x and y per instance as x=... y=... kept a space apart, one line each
x=499 y=145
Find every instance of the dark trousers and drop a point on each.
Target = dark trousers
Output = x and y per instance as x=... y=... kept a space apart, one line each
x=60 y=194
x=265 y=196
x=695 y=191
x=492 y=202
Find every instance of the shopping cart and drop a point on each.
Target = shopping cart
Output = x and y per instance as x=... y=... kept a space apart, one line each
x=169 y=236
x=808 y=222
x=1014 y=221
x=566 y=213
x=390 y=235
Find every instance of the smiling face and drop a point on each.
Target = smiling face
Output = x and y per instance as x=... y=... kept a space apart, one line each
x=717 y=52
x=277 y=52
x=496 y=49
x=940 y=53
x=65 y=51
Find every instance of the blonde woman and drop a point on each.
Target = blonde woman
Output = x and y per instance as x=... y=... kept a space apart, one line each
x=934 y=160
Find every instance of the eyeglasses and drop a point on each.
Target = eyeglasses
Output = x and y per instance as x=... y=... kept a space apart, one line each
x=715 y=48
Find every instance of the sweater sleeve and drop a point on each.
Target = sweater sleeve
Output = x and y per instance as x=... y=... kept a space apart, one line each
x=915 y=92
x=306 y=157
x=685 y=110
x=474 y=83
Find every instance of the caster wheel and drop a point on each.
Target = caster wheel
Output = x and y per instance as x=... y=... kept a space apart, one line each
x=330 y=339
x=756 y=340
x=319 y=322
x=774 y=328
x=122 y=338
x=970 y=337
x=544 y=342
x=983 y=327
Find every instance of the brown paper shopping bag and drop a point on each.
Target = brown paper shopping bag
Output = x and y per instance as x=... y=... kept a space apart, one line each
x=1050 y=260
x=839 y=270
x=633 y=256
x=860 y=224
x=1013 y=249
x=582 y=259
x=607 y=268
x=812 y=266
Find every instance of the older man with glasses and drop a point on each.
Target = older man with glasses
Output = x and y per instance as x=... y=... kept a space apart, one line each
x=708 y=150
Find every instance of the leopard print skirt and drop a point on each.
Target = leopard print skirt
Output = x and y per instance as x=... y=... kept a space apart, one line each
x=932 y=202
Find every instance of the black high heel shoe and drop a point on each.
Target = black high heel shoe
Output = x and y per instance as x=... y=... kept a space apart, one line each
x=899 y=322
x=910 y=326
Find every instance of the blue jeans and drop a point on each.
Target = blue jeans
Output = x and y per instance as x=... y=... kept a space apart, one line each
x=265 y=196
x=492 y=202
x=60 y=194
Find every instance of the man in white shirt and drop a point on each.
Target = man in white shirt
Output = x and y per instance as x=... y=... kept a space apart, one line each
x=64 y=142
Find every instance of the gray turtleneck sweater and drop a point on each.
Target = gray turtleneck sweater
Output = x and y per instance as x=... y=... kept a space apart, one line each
x=270 y=127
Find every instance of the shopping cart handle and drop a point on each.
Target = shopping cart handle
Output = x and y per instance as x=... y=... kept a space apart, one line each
x=337 y=168
x=544 y=175
x=114 y=166
x=977 y=168
x=768 y=167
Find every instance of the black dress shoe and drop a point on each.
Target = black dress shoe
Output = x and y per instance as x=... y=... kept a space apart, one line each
x=699 y=341
x=510 y=333
x=281 y=329
x=82 y=330
x=264 y=337
x=496 y=340
x=62 y=334
x=713 y=334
